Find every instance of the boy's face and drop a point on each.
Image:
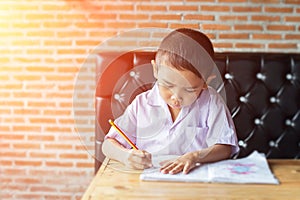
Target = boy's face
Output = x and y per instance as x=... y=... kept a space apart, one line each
x=178 y=88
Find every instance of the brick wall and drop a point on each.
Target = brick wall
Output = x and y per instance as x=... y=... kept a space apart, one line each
x=47 y=76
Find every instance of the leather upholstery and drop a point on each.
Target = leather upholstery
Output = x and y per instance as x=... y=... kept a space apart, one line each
x=262 y=91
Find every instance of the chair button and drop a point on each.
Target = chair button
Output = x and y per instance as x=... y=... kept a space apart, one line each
x=274 y=100
x=242 y=144
x=243 y=99
x=273 y=144
x=289 y=122
x=118 y=97
x=133 y=74
x=289 y=77
x=228 y=76
x=260 y=76
x=258 y=121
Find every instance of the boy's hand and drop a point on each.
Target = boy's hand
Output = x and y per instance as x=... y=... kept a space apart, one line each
x=184 y=163
x=138 y=159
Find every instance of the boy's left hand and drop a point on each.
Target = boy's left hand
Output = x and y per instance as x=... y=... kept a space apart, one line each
x=184 y=163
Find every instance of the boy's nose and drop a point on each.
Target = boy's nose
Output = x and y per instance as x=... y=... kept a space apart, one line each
x=176 y=97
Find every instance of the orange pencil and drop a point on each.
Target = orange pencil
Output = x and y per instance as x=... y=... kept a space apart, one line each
x=122 y=134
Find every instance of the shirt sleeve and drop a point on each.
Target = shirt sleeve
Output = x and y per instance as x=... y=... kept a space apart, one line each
x=127 y=123
x=221 y=127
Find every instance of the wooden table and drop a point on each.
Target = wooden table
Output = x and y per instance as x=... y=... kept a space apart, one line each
x=114 y=181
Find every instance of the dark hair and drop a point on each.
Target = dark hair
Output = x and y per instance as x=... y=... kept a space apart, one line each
x=187 y=49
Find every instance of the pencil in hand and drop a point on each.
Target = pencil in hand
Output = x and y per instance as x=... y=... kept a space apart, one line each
x=122 y=134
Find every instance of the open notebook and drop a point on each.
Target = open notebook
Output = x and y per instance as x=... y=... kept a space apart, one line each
x=251 y=169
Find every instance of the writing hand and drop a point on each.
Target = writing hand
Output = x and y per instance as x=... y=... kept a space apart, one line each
x=138 y=159
x=183 y=164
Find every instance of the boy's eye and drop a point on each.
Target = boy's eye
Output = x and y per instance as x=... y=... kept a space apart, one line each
x=191 y=90
x=166 y=85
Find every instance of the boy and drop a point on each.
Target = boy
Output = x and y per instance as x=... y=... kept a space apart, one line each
x=180 y=115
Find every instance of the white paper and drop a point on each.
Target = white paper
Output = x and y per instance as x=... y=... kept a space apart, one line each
x=252 y=169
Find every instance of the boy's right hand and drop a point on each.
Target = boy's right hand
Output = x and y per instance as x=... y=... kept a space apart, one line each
x=138 y=159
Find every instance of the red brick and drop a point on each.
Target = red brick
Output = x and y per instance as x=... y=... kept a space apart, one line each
x=199 y=17
x=249 y=45
x=13 y=172
x=247 y=9
x=234 y=36
x=73 y=156
x=281 y=27
x=28 y=196
x=40 y=33
x=266 y=1
x=26 y=111
x=39 y=69
x=297 y=2
x=283 y=46
x=120 y=25
x=58 y=146
x=233 y=18
x=14 y=187
x=59 y=164
x=27 y=146
x=216 y=27
x=27 y=77
x=214 y=8
x=292 y=36
x=43 y=104
x=84 y=165
x=134 y=17
x=56 y=43
x=150 y=7
x=262 y=36
x=102 y=16
x=292 y=19
x=43 y=155
x=56 y=7
x=43 y=189
x=223 y=45
x=40 y=16
x=23 y=128
x=265 y=18
x=40 y=137
x=118 y=7
x=233 y=1
x=166 y=17
x=183 y=8
x=58 y=129
x=28 y=163
x=12 y=154
x=5 y=163
x=184 y=25
x=248 y=27
x=279 y=9
x=71 y=34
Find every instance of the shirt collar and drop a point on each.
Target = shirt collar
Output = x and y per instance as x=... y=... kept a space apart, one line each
x=154 y=98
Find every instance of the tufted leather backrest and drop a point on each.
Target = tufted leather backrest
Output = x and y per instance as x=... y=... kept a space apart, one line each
x=262 y=91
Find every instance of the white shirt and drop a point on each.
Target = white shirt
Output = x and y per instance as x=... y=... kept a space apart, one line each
x=148 y=123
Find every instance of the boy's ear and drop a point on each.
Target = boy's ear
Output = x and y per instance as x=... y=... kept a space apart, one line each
x=154 y=68
x=210 y=78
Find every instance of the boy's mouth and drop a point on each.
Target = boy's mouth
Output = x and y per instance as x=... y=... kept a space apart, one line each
x=175 y=105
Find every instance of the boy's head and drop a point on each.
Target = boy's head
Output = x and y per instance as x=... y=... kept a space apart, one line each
x=187 y=49
x=182 y=65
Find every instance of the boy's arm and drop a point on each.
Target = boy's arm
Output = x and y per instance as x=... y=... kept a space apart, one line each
x=112 y=149
x=190 y=160
x=136 y=159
